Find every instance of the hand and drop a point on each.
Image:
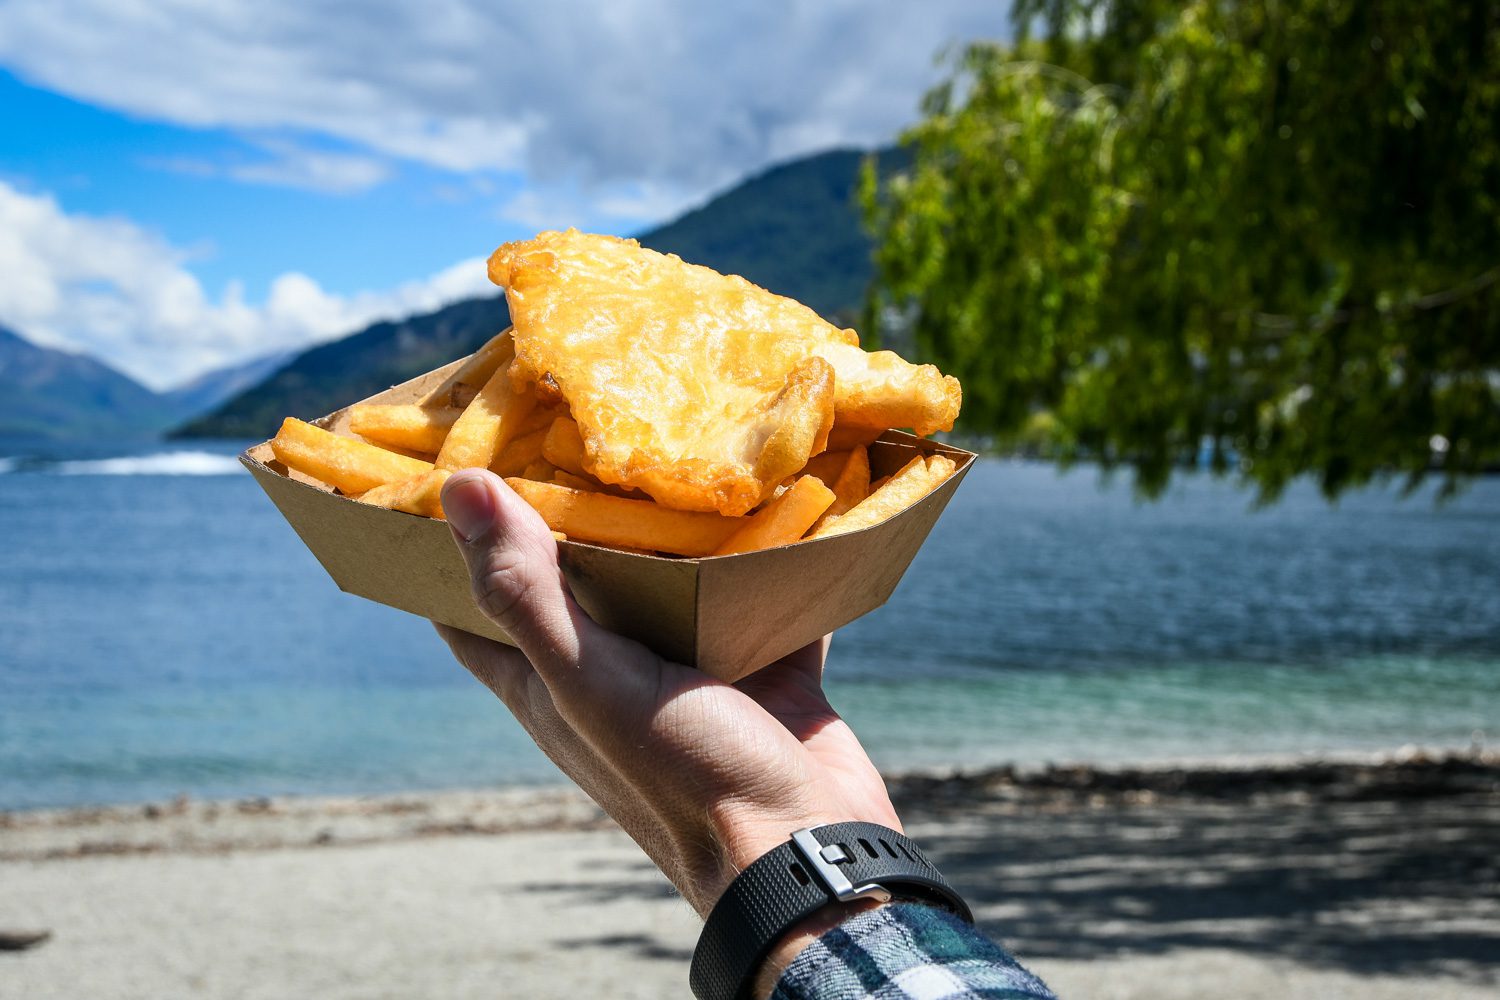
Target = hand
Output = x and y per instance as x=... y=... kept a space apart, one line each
x=705 y=776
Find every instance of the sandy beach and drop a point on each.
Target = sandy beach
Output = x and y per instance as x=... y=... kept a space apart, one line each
x=1368 y=878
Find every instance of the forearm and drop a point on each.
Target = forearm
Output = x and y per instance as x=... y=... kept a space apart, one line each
x=707 y=777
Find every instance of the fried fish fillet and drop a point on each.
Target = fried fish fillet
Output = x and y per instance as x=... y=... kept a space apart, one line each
x=701 y=389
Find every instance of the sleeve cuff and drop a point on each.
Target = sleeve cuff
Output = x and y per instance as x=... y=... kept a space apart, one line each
x=906 y=950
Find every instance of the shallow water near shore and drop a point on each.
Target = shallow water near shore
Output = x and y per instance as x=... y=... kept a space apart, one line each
x=166 y=633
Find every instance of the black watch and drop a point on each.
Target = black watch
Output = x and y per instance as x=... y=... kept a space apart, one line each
x=840 y=862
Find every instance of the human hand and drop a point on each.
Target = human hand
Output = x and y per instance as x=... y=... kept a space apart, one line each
x=705 y=776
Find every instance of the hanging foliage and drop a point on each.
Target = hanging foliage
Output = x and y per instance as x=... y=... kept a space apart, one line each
x=1271 y=229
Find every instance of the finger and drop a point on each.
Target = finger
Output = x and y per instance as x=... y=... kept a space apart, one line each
x=808 y=661
x=512 y=561
x=506 y=672
x=801 y=670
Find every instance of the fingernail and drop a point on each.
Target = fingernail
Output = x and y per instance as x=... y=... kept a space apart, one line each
x=469 y=504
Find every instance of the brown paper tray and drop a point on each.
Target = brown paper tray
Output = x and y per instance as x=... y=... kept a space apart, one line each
x=726 y=615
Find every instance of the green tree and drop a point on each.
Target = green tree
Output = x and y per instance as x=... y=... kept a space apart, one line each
x=1273 y=227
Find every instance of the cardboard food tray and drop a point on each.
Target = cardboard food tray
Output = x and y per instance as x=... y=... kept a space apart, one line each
x=727 y=615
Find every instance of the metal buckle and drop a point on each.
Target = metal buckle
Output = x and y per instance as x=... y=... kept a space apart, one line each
x=824 y=862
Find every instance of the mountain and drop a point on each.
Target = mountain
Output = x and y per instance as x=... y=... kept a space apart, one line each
x=794 y=229
x=212 y=389
x=56 y=394
x=329 y=376
x=49 y=393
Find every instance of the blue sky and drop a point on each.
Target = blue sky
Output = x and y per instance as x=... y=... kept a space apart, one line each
x=191 y=183
x=415 y=221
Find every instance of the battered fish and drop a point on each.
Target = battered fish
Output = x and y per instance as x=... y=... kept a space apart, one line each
x=699 y=388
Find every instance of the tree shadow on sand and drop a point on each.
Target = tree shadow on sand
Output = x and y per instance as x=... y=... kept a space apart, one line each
x=1392 y=869
x=1370 y=868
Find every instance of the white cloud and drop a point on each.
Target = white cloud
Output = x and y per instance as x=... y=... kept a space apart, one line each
x=287 y=164
x=536 y=211
x=121 y=293
x=654 y=202
x=675 y=94
x=559 y=208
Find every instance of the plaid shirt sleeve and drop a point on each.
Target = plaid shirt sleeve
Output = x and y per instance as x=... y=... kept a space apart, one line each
x=906 y=951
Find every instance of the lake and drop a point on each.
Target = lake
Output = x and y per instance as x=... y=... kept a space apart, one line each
x=164 y=633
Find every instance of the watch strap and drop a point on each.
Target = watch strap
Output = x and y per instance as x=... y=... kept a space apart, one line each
x=835 y=863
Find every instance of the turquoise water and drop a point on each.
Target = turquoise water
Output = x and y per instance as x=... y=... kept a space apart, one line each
x=162 y=631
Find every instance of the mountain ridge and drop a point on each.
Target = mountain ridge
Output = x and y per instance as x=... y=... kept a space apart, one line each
x=50 y=393
x=207 y=391
x=46 y=392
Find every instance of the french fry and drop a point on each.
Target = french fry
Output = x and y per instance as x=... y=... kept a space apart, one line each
x=540 y=471
x=634 y=524
x=851 y=487
x=475 y=372
x=783 y=520
x=853 y=484
x=385 y=495
x=846 y=435
x=421 y=456
x=350 y=465
x=520 y=453
x=486 y=425
x=420 y=495
x=585 y=481
x=540 y=418
x=563 y=446
x=563 y=477
x=426 y=494
x=416 y=428
x=939 y=468
x=902 y=490
x=826 y=466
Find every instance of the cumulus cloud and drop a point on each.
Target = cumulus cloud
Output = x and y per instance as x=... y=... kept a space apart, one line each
x=628 y=110
x=123 y=294
x=678 y=95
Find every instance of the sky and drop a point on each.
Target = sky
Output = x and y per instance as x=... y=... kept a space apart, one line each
x=188 y=184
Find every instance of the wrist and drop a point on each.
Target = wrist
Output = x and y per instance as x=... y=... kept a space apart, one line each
x=740 y=837
x=808 y=883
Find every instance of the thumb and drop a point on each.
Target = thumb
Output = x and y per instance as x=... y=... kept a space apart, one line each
x=512 y=560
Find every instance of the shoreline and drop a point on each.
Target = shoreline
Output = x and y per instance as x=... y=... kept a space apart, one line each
x=1359 y=877
x=217 y=826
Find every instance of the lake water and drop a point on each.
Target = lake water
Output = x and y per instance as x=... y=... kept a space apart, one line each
x=163 y=631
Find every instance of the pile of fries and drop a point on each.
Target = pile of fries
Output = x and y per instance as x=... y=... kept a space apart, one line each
x=495 y=413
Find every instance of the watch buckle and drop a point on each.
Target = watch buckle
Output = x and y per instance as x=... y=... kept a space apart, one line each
x=823 y=860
